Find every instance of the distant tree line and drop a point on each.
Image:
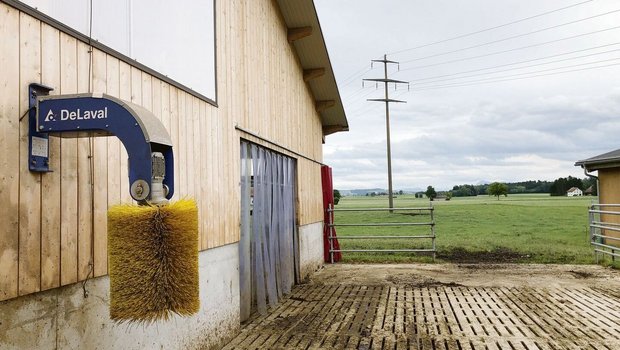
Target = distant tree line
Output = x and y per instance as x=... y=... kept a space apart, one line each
x=563 y=184
x=557 y=187
x=513 y=187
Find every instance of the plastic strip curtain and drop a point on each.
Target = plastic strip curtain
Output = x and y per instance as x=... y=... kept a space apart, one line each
x=268 y=223
x=245 y=263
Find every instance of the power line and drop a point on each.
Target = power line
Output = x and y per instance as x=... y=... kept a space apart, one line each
x=511 y=79
x=369 y=91
x=365 y=108
x=488 y=29
x=546 y=70
x=511 y=50
x=354 y=75
x=353 y=78
x=359 y=98
x=356 y=92
x=525 y=61
x=516 y=68
x=362 y=95
x=509 y=38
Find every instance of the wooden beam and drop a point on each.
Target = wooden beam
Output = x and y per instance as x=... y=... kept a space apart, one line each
x=330 y=129
x=313 y=73
x=298 y=33
x=323 y=105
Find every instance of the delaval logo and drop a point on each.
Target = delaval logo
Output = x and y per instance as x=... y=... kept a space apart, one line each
x=77 y=114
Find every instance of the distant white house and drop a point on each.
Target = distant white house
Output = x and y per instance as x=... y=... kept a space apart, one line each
x=574 y=192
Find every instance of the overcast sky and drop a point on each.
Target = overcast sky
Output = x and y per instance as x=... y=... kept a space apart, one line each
x=521 y=128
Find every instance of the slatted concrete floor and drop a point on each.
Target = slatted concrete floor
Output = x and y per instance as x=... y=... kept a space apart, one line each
x=438 y=316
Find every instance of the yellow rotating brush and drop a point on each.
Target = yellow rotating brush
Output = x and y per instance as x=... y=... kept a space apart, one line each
x=153 y=261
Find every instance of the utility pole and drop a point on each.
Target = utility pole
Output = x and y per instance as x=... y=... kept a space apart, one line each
x=387 y=101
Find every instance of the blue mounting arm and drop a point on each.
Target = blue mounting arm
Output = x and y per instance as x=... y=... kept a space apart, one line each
x=101 y=115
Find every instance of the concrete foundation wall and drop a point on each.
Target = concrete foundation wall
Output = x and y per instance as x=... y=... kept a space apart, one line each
x=310 y=248
x=63 y=319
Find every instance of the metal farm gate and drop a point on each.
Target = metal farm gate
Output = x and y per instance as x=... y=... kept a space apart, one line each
x=604 y=224
x=335 y=248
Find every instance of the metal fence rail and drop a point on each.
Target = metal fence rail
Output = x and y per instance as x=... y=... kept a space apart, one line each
x=421 y=210
x=599 y=230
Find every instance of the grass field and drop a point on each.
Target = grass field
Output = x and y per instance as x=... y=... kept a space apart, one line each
x=517 y=228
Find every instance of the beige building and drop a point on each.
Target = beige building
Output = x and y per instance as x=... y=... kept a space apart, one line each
x=261 y=79
x=607 y=165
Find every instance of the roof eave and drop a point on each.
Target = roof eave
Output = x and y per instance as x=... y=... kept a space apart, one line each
x=599 y=164
x=310 y=48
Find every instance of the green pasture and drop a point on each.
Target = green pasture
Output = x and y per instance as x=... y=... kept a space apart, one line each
x=518 y=228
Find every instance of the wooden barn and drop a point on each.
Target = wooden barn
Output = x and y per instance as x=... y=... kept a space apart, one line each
x=247 y=93
x=607 y=166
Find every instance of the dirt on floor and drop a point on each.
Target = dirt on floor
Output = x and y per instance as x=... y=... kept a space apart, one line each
x=498 y=255
x=444 y=306
x=472 y=275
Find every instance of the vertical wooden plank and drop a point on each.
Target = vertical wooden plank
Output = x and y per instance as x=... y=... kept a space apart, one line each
x=50 y=182
x=124 y=94
x=197 y=155
x=84 y=256
x=220 y=183
x=189 y=136
x=10 y=156
x=147 y=93
x=114 y=144
x=165 y=105
x=156 y=97
x=112 y=88
x=199 y=162
x=208 y=175
x=233 y=206
x=100 y=195
x=174 y=134
x=136 y=86
x=182 y=153
x=68 y=170
x=204 y=219
x=29 y=183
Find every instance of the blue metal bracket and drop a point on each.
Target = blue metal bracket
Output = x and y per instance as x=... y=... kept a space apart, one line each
x=38 y=143
x=140 y=132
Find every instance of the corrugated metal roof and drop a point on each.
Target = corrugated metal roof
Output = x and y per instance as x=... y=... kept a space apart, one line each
x=312 y=53
x=605 y=160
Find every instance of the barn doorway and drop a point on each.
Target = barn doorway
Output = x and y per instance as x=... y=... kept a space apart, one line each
x=267 y=246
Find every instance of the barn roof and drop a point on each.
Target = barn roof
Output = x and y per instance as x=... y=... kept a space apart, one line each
x=605 y=160
x=573 y=189
x=305 y=35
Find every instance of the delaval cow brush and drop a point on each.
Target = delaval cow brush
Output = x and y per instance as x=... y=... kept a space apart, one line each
x=152 y=247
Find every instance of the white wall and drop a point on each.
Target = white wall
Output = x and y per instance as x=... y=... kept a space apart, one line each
x=63 y=319
x=310 y=248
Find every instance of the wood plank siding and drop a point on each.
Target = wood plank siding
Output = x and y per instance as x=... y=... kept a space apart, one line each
x=609 y=193
x=54 y=225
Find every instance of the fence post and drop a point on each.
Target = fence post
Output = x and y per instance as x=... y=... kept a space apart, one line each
x=592 y=229
x=331 y=233
x=433 y=229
